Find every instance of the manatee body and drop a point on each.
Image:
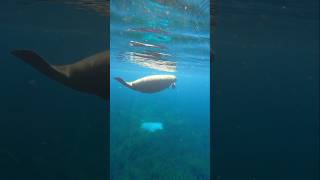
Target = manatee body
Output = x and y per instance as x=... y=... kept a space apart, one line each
x=89 y=75
x=150 y=84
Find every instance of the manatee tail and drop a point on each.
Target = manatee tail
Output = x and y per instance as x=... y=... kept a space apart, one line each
x=123 y=82
x=39 y=64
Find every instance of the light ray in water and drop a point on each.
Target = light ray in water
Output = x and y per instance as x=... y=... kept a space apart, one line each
x=146 y=29
x=150 y=61
x=140 y=44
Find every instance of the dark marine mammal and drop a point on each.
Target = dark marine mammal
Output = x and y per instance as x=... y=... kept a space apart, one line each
x=89 y=75
x=150 y=84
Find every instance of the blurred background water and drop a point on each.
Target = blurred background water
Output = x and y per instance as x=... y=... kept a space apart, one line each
x=160 y=37
x=49 y=131
x=266 y=90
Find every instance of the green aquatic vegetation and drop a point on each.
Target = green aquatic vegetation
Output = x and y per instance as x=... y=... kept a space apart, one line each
x=176 y=152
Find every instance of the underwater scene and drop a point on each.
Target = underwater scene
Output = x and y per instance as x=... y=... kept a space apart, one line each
x=160 y=90
x=49 y=131
x=265 y=89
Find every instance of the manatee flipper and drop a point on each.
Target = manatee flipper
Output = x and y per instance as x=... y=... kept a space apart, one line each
x=123 y=82
x=40 y=64
x=173 y=86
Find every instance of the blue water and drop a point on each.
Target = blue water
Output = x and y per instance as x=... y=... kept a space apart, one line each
x=181 y=31
x=265 y=88
x=49 y=131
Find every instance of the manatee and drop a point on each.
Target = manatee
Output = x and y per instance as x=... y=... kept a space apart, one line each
x=89 y=75
x=150 y=84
